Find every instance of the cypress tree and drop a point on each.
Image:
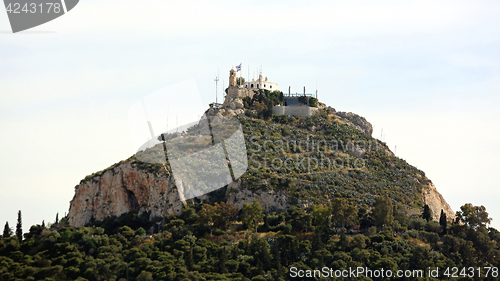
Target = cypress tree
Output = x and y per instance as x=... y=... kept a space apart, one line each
x=19 y=227
x=443 y=221
x=7 y=232
x=57 y=218
x=427 y=213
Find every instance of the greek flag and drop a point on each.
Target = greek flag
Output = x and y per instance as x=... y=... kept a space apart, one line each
x=238 y=68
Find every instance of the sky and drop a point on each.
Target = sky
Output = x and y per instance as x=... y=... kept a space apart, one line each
x=426 y=74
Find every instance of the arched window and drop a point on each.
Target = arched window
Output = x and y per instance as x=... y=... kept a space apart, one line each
x=271 y=86
x=257 y=86
x=264 y=85
x=251 y=86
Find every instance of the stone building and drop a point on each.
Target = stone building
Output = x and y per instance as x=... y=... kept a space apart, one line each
x=261 y=83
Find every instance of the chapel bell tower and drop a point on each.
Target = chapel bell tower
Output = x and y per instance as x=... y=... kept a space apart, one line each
x=232 y=78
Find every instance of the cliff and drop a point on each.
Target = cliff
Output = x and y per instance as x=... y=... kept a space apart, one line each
x=126 y=187
x=122 y=189
x=436 y=202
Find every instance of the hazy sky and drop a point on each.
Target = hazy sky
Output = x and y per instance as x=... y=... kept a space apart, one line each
x=427 y=73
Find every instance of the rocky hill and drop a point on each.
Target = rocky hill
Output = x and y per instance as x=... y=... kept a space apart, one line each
x=279 y=175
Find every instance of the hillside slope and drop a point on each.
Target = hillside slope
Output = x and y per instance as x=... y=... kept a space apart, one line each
x=293 y=161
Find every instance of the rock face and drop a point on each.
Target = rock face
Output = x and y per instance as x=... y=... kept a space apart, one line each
x=120 y=190
x=233 y=103
x=354 y=120
x=436 y=202
x=127 y=188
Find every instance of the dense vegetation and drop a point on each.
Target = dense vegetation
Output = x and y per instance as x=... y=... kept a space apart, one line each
x=257 y=246
x=326 y=159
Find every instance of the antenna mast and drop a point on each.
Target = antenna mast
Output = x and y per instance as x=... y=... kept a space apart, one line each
x=216 y=81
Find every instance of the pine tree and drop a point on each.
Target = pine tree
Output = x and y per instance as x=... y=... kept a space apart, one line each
x=7 y=231
x=207 y=216
x=427 y=213
x=473 y=216
x=19 y=227
x=382 y=212
x=443 y=221
x=252 y=214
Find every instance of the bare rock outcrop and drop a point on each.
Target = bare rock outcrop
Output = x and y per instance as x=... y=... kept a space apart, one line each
x=127 y=188
x=354 y=120
x=123 y=189
x=436 y=202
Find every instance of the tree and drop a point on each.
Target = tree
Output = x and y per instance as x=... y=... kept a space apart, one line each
x=382 y=211
x=19 y=227
x=208 y=215
x=7 y=231
x=297 y=218
x=443 y=221
x=427 y=213
x=219 y=215
x=473 y=216
x=57 y=218
x=313 y=102
x=240 y=81
x=337 y=210
x=400 y=214
x=140 y=231
x=145 y=276
x=343 y=214
x=252 y=214
x=261 y=107
x=321 y=215
x=227 y=212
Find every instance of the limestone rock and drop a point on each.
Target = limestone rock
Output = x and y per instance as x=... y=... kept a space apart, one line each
x=123 y=189
x=352 y=119
x=238 y=104
x=233 y=103
x=436 y=202
x=126 y=188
